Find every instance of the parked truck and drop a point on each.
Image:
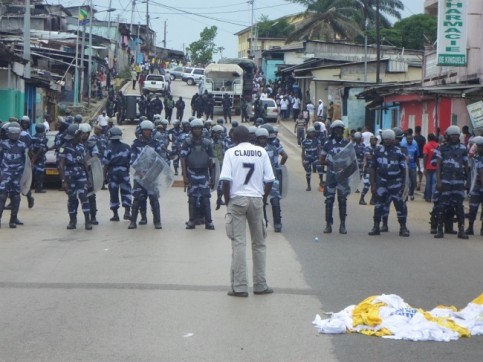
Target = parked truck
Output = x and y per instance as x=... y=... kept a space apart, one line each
x=223 y=79
x=233 y=76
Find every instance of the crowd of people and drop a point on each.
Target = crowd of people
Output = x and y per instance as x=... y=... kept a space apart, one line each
x=392 y=165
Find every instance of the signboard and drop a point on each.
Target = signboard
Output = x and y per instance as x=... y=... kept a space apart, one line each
x=476 y=114
x=452 y=32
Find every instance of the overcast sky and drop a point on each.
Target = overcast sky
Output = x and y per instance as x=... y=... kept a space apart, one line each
x=184 y=27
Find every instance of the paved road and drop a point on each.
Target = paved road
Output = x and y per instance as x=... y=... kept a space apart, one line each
x=145 y=294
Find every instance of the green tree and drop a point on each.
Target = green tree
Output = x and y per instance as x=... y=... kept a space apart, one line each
x=366 y=11
x=326 y=20
x=280 y=28
x=413 y=32
x=201 y=51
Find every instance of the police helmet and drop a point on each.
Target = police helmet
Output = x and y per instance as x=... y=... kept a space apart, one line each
x=478 y=140
x=184 y=122
x=78 y=118
x=71 y=131
x=317 y=126
x=208 y=122
x=220 y=121
x=115 y=133
x=217 y=129
x=234 y=124
x=146 y=125
x=175 y=122
x=165 y=122
x=156 y=116
x=25 y=118
x=69 y=120
x=39 y=128
x=259 y=121
x=452 y=130
x=268 y=127
x=311 y=129
x=358 y=135
x=142 y=118
x=252 y=129
x=157 y=122
x=196 y=123
x=85 y=128
x=261 y=132
x=337 y=123
x=398 y=132
x=275 y=129
x=13 y=131
x=388 y=134
x=189 y=119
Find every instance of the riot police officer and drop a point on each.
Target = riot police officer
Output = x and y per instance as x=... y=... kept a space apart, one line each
x=196 y=154
x=310 y=155
x=13 y=153
x=451 y=175
x=73 y=175
x=476 y=192
x=141 y=194
x=39 y=149
x=388 y=182
x=117 y=158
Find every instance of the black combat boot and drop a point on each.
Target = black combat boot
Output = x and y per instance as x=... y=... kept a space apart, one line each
x=134 y=214
x=156 y=214
x=362 y=201
x=403 y=230
x=192 y=213
x=433 y=222
x=449 y=223
x=72 y=222
x=469 y=230
x=207 y=213
x=461 y=232
x=39 y=184
x=375 y=229
x=328 y=217
x=342 y=215
x=88 y=224
x=3 y=199
x=384 y=227
x=127 y=213
x=440 y=228
x=15 y=206
x=277 y=215
x=144 y=219
x=308 y=185
x=30 y=200
x=115 y=216
x=93 y=218
x=372 y=201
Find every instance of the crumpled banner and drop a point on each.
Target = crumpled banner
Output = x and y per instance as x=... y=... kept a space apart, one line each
x=388 y=316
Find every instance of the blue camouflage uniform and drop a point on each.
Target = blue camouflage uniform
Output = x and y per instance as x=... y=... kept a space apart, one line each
x=101 y=143
x=361 y=151
x=389 y=165
x=75 y=176
x=310 y=147
x=91 y=150
x=175 y=147
x=476 y=194
x=369 y=154
x=117 y=158
x=453 y=160
x=12 y=164
x=330 y=149
x=218 y=153
x=39 y=150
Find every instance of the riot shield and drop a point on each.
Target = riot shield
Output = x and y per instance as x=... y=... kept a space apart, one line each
x=26 y=179
x=215 y=173
x=346 y=168
x=152 y=172
x=282 y=175
x=95 y=175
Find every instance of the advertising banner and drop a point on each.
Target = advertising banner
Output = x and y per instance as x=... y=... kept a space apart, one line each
x=452 y=33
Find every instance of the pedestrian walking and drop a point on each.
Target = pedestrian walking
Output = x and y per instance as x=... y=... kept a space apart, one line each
x=247 y=181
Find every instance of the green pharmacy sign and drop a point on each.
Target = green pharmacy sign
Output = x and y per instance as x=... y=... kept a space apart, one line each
x=452 y=33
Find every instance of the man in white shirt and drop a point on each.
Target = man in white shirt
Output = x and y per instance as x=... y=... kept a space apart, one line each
x=295 y=108
x=366 y=136
x=248 y=178
x=320 y=110
x=103 y=121
x=284 y=107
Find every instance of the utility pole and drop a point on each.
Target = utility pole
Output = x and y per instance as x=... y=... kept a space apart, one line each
x=147 y=27
x=76 y=79
x=164 y=39
x=26 y=39
x=83 y=45
x=132 y=15
x=89 y=65
x=109 y=21
x=378 y=45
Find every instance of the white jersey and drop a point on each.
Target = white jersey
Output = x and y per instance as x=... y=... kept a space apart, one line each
x=247 y=167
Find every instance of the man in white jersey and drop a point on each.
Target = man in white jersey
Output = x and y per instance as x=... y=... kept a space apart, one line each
x=249 y=178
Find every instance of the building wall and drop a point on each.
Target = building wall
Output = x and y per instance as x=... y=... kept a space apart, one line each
x=269 y=67
x=12 y=99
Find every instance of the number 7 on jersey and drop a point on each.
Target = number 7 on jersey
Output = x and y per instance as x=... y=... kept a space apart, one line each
x=251 y=169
